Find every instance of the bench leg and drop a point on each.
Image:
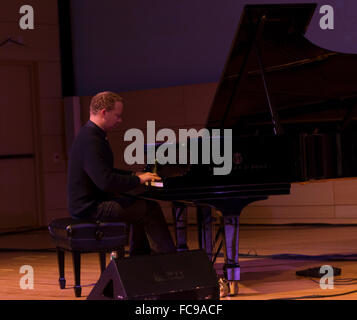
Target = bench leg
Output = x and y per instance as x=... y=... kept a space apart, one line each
x=76 y=256
x=60 y=260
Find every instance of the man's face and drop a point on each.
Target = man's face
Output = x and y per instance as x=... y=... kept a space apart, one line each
x=113 y=117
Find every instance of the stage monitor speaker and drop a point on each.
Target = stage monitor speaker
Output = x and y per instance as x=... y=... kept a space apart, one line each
x=186 y=275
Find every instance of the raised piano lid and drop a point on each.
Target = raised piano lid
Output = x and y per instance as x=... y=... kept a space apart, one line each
x=306 y=83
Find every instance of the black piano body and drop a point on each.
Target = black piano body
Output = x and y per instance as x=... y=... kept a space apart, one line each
x=291 y=106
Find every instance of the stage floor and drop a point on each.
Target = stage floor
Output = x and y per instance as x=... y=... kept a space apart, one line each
x=266 y=274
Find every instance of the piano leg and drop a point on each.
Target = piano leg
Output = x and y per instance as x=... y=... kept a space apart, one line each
x=230 y=210
x=179 y=213
x=204 y=223
x=231 y=266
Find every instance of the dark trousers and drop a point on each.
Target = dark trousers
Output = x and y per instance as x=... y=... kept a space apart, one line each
x=148 y=227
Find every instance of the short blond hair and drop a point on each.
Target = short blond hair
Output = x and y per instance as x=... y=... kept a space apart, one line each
x=104 y=100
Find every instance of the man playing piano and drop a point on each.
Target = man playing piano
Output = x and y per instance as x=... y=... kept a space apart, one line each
x=94 y=184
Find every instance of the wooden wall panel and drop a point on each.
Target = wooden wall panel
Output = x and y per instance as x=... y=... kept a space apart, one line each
x=345 y=192
x=17 y=109
x=287 y=212
x=18 y=193
x=85 y=103
x=49 y=80
x=346 y=211
x=40 y=44
x=51 y=117
x=197 y=100
x=53 y=153
x=50 y=215
x=41 y=49
x=55 y=191
x=164 y=106
x=303 y=195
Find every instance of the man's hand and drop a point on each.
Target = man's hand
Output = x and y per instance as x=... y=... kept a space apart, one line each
x=147 y=176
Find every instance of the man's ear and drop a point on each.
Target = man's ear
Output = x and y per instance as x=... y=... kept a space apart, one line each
x=102 y=112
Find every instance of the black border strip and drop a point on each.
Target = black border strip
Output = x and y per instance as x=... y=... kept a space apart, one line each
x=65 y=35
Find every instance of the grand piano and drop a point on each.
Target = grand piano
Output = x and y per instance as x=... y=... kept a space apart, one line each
x=291 y=106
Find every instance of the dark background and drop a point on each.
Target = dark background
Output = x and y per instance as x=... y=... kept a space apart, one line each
x=139 y=44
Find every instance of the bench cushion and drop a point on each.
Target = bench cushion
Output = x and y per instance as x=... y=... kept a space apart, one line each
x=88 y=235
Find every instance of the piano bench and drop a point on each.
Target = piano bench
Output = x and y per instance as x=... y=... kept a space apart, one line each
x=85 y=236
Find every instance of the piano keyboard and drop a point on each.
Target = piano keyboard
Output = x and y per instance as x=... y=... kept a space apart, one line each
x=156 y=184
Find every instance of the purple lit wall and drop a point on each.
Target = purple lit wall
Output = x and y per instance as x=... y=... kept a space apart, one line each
x=141 y=44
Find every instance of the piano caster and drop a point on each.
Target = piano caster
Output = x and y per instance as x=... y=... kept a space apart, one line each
x=232 y=274
x=62 y=283
x=233 y=288
x=77 y=291
x=228 y=288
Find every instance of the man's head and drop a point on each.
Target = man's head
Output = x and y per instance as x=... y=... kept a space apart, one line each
x=106 y=109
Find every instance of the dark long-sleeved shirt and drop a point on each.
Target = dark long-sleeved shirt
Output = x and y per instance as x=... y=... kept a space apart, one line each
x=91 y=175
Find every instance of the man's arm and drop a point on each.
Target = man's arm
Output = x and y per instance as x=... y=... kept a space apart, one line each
x=124 y=172
x=98 y=167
